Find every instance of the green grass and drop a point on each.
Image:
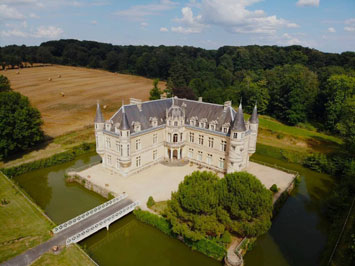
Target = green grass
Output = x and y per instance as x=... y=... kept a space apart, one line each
x=23 y=226
x=71 y=255
x=159 y=206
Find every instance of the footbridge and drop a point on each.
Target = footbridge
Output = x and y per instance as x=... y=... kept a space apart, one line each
x=80 y=227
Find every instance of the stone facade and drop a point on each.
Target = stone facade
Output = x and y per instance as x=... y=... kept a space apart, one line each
x=141 y=134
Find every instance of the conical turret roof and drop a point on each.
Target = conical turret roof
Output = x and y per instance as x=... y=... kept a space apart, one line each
x=238 y=123
x=254 y=116
x=124 y=124
x=99 y=118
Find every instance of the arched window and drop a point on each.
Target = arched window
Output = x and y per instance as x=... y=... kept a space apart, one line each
x=175 y=124
x=175 y=138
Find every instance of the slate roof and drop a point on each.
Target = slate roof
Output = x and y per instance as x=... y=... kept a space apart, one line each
x=124 y=125
x=99 y=118
x=158 y=108
x=239 y=123
x=254 y=116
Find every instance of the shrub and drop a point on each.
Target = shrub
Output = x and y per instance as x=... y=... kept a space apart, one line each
x=154 y=220
x=209 y=248
x=274 y=188
x=150 y=202
x=110 y=196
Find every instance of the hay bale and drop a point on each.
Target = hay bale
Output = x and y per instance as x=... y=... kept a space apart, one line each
x=18 y=72
x=105 y=106
x=59 y=76
x=50 y=79
x=62 y=93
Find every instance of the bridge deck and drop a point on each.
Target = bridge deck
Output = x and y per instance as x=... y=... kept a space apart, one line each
x=59 y=239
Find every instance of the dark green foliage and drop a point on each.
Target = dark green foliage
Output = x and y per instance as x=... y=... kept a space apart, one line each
x=209 y=248
x=150 y=202
x=20 y=124
x=4 y=84
x=47 y=162
x=154 y=220
x=155 y=92
x=274 y=188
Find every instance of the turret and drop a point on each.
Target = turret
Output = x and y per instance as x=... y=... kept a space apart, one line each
x=238 y=143
x=125 y=142
x=99 y=127
x=253 y=126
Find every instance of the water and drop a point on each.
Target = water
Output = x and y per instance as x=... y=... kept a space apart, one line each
x=297 y=236
x=128 y=242
x=298 y=233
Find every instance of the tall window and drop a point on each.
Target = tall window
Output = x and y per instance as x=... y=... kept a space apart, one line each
x=210 y=142
x=175 y=138
x=221 y=162
x=223 y=145
x=155 y=155
x=108 y=142
x=117 y=163
x=138 y=144
x=155 y=138
x=192 y=137
x=209 y=158
x=117 y=146
x=200 y=139
x=138 y=161
x=235 y=135
x=175 y=124
x=127 y=149
x=191 y=153
x=121 y=150
x=199 y=156
x=180 y=136
x=109 y=159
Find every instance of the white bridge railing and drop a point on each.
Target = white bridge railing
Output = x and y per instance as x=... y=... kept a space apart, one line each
x=87 y=214
x=101 y=224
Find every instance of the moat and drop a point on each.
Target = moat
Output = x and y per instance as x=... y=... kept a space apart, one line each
x=297 y=235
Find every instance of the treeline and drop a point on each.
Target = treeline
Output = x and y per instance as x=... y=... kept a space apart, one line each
x=293 y=84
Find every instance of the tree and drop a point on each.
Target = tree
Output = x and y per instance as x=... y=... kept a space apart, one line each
x=20 y=124
x=346 y=124
x=4 y=84
x=155 y=92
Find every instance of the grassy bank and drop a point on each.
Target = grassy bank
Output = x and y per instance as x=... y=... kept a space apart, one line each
x=22 y=225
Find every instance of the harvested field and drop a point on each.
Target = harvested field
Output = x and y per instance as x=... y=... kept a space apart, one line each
x=66 y=96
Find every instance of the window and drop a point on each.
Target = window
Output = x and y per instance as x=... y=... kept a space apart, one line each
x=209 y=158
x=117 y=163
x=223 y=145
x=210 y=142
x=138 y=161
x=191 y=153
x=136 y=126
x=225 y=130
x=138 y=144
x=155 y=155
x=235 y=135
x=155 y=138
x=121 y=150
x=192 y=137
x=108 y=142
x=109 y=159
x=97 y=142
x=221 y=162
x=180 y=136
x=175 y=138
x=127 y=149
x=175 y=124
x=213 y=125
x=199 y=156
x=169 y=137
x=193 y=122
x=200 y=139
x=117 y=146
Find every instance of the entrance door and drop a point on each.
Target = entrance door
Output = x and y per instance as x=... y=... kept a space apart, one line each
x=175 y=154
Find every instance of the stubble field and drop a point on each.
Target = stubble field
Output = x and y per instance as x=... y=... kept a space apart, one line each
x=67 y=102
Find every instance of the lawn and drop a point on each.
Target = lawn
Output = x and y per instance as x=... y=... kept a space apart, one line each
x=23 y=226
x=71 y=255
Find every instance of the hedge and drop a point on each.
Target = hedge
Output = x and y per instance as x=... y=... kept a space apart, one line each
x=58 y=158
x=205 y=246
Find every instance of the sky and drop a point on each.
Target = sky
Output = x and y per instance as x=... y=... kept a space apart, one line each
x=326 y=25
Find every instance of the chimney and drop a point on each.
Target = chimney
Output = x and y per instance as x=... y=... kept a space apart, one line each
x=137 y=102
x=200 y=99
x=227 y=104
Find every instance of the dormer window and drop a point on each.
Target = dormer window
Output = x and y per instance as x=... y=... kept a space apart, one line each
x=235 y=135
x=136 y=126
x=213 y=125
x=225 y=128
x=193 y=121
x=203 y=123
x=108 y=126
x=153 y=121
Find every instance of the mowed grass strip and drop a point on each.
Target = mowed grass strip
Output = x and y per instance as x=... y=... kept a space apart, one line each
x=70 y=255
x=22 y=226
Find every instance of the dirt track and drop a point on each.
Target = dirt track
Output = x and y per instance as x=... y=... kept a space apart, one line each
x=81 y=87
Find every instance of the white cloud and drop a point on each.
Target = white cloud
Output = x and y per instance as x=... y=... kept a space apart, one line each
x=93 y=22
x=163 y=29
x=7 y=12
x=14 y=33
x=350 y=25
x=331 y=29
x=232 y=15
x=33 y=15
x=49 y=32
x=144 y=24
x=139 y=12
x=308 y=3
x=290 y=40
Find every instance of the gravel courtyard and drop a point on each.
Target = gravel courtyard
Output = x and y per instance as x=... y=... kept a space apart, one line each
x=160 y=180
